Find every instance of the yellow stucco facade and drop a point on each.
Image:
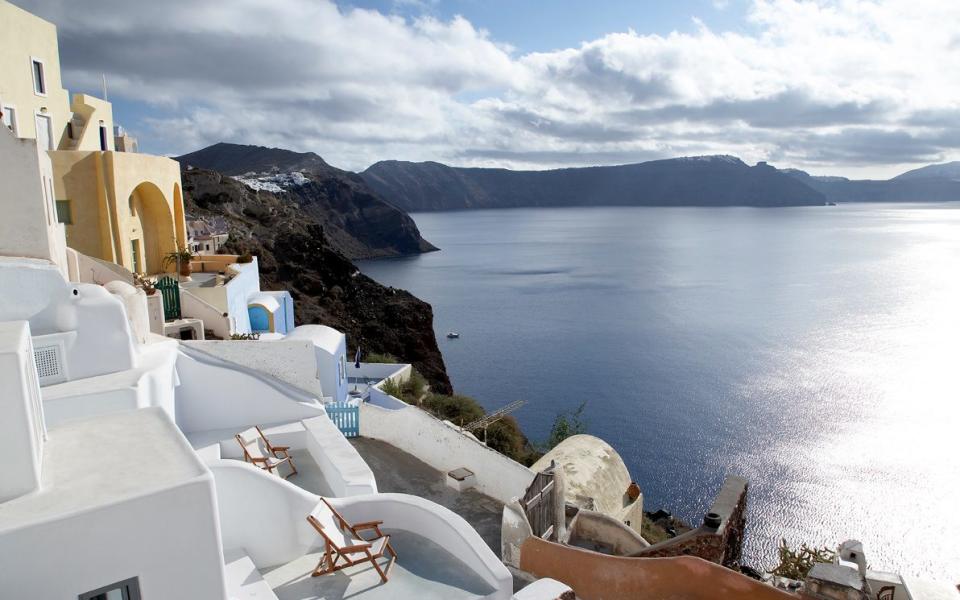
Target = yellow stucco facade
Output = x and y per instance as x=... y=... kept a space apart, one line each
x=118 y=206
x=127 y=208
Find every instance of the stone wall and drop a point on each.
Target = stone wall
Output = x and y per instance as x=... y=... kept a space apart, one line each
x=720 y=538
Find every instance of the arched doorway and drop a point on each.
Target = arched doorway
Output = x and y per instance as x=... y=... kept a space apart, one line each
x=151 y=220
x=261 y=319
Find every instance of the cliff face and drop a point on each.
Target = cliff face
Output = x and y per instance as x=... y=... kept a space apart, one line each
x=356 y=221
x=296 y=254
x=928 y=184
x=697 y=181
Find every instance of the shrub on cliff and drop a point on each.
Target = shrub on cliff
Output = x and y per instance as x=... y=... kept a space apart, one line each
x=377 y=357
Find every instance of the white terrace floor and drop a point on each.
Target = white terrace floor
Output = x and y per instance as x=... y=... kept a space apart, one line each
x=423 y=570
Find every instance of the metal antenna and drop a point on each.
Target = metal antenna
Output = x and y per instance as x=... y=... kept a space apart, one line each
x=492 y=418
x=103 y=79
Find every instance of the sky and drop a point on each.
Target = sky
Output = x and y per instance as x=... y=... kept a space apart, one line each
x=866 y=89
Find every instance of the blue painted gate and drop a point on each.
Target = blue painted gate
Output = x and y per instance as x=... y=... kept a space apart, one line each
x=345 y=417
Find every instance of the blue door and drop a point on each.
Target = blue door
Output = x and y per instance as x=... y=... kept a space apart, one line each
x=259 y=318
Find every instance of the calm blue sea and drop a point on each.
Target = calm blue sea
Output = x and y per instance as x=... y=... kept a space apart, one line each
x=815 y=351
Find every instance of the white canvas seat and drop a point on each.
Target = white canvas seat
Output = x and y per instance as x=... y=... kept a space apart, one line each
x=258 y=450
x=342 y=541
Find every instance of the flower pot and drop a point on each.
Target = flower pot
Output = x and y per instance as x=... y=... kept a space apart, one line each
x=633 y=490
x=185 y=269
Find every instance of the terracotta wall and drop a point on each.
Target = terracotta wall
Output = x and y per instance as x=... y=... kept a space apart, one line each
x=596 y=576
x=722 y=545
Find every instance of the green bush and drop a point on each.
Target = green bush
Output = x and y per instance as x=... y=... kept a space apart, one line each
x=503 y=435
x=410 y=390
x=795 y=564
x=566 y=425
x=378 y=357
x=392 y=388
x=458 y=409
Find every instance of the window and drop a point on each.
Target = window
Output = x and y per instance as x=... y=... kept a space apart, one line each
x=103 y=138
x=64 y=212
x=39 y=83
x=128 y=589
x=10 y=118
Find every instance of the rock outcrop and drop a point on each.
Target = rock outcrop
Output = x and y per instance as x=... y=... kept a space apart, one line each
x=357 y=222
x=296 y=253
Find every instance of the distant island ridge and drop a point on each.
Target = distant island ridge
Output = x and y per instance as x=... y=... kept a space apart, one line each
x=718 y=180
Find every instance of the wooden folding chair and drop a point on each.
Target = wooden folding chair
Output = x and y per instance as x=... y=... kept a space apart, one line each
x=271 y=460
x=342 y=541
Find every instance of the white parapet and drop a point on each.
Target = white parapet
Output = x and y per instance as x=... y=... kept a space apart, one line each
x=343 y=468
x=443 y=447
x=22 y=430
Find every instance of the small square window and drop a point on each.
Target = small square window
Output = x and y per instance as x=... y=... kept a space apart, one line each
x=128 y=589
x=39 y=82
x=64 y=212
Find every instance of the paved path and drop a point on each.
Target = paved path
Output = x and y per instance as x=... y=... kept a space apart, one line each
x=397 y=471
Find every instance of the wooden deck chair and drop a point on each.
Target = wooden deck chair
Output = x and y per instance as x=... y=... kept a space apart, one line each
x=343 y=541
x=250 y=439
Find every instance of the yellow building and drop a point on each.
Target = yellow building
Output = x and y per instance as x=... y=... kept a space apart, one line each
x=118 y=206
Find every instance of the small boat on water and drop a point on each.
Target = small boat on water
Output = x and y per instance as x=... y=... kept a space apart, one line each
x=453 y=335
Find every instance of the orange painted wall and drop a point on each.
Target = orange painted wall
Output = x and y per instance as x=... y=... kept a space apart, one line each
x=596 y=576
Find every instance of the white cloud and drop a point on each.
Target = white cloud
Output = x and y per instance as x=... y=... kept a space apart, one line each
x=868 y=86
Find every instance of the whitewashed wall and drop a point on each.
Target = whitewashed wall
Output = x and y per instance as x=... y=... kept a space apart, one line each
x=36 y=291
x=292 y=361
x=239 y=289
x=192 y=305
x=334 y=385
x=135 y=304
x=86 y=269
x=343 y=468
x=444 y=448
x=29 y=226
x=170 y=540
x=22 y=430
x=151 y=384
x=263 y=514
x=436 y=523
x=214 y=395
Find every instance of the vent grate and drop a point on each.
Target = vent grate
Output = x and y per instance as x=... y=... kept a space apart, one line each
x=49 y=367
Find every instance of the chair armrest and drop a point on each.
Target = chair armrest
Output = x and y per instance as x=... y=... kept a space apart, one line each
x=257 y=460
x=354 y=548
x=280 y=448
x=368 y=525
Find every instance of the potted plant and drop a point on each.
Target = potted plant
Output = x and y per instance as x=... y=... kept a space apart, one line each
x=144 y=284
x=183 y=256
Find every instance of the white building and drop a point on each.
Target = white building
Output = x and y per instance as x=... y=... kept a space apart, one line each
x=121 y=476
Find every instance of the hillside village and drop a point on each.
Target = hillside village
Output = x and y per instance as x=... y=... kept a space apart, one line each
x=173 y=429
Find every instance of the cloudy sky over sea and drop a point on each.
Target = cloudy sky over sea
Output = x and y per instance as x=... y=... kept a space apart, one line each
x=864 y=89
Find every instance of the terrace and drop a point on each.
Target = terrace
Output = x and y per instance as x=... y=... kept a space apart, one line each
x=433 y=550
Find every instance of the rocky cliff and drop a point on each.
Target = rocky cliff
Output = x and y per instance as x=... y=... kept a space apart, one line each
x=357 y=222
x=936 y=183
x=694 y=181
x=296 y=253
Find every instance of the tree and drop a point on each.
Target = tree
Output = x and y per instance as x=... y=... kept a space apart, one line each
x=565 y=425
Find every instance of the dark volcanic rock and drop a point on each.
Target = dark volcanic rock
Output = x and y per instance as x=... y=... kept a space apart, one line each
x=295 y=254
x=919 y=185
x=357 y=222
x=696 y=181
